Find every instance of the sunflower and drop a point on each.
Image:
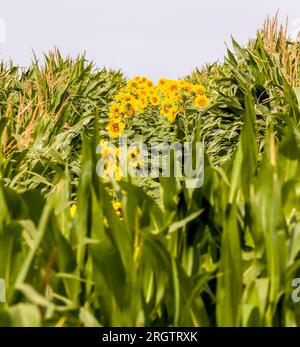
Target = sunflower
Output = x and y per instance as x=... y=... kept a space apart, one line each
x=134 y=152
x=162 y=82
x=117 y=207
x=173 y=87
x=124 y=97
x=115 y=112
x=154 y=99
x=198 y=89
x=115 y=128
x=142 y=93
x=166 y=106
x=186 y=87
x=107 y=150
x=172 y=114
x=144 y=102
x=110 y=165
x=133 y=83
x=137 y=79
x=201 y=101
x=115 y=117
x=129 y=110
x=111 y=170
x=135 y=158
x=115 y=108
x=178 y=98
x=150 y=84
x=139 y=105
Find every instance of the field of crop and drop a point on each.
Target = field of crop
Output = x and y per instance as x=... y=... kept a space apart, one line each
x=79 y=248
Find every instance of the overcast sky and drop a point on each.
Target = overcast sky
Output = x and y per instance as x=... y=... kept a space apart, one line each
x=153 y=38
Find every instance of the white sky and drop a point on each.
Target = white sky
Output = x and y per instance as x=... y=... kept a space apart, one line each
x=154 y=38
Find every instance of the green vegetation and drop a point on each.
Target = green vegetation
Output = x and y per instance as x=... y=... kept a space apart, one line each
x=224 y=254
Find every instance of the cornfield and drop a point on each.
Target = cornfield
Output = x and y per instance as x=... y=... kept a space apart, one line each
x=77 y=249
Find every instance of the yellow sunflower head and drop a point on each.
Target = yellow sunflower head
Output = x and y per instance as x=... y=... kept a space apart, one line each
x=186 y=87
x=116 y=117
x=154 y=99
x=128 y=108
x=150 y=84
x=162 y=83
x=122 y=96
x=139 y=105
x=199 y=89
x=115 y=129
x=201 y=101
x=172 y=114
x=117 y=207
x=144 y=80
x=173 y=87
x=166 y=106
x=135 y=157
x=107 y=150
x=115 y=108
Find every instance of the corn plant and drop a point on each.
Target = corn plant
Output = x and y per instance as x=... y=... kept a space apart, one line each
x=224 y=254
